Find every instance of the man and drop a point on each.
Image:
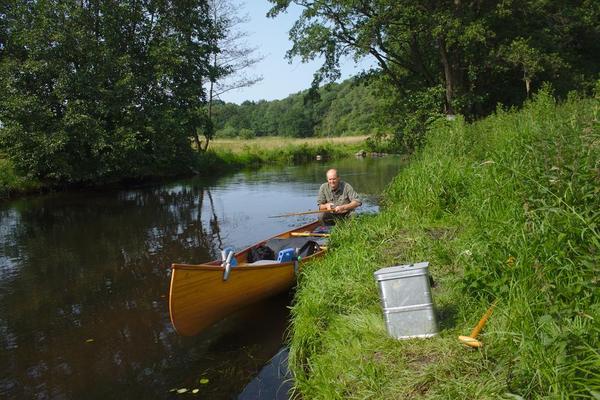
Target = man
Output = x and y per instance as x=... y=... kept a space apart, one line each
x=338 y=197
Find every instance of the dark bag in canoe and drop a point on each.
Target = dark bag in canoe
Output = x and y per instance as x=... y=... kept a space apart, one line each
x=310 y=248
x=260 y=252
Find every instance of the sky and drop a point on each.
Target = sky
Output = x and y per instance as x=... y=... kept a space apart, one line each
x=270 y=36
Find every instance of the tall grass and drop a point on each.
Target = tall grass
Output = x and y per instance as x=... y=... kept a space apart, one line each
x=505 y=209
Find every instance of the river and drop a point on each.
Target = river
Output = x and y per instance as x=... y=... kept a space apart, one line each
x=84 y=280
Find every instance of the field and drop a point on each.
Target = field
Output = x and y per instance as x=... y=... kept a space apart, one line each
x=275 y=142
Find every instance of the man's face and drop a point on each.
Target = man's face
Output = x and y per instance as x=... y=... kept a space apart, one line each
x=333 y=180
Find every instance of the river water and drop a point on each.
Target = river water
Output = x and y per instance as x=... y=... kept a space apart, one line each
x=84 y=279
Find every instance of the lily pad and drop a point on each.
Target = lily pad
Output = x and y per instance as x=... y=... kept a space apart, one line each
x=203 y=381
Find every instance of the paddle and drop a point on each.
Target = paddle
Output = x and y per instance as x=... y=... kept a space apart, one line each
x=310 y=234
x=300 y=213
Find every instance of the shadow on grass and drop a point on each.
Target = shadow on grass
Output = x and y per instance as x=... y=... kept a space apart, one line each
x=447 y=316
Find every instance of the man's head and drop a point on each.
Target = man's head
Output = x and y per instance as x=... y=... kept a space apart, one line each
x=333 y=179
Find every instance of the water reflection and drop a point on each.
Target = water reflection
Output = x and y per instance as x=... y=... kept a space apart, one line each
x=84 y=279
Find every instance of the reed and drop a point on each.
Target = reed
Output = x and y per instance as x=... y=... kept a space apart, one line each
x=504 y=209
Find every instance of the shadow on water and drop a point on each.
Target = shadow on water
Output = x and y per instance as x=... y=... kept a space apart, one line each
x=84 y=280
x=233 y=351
x=274 y=381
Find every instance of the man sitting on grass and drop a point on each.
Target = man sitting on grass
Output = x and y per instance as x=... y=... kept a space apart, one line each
x=337 y=197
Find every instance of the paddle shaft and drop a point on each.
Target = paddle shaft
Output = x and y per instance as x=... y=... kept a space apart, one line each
x=309 y=234
x=482 y=321
x=300 y=213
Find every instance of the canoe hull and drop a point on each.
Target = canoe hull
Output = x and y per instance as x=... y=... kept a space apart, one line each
x=199 y=296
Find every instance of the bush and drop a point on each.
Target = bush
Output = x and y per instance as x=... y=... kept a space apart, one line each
x=247 y=134
x=227 y=132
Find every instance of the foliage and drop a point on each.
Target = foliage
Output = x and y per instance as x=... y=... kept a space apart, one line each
x=451 y=57
x=346 y=109
x=98 y=90
x=504 y=209
x=10 y=182
x=230 y=59
x=247 y=134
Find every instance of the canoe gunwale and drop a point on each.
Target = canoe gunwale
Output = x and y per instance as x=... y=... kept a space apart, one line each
x=243 y=266
x=216 y=264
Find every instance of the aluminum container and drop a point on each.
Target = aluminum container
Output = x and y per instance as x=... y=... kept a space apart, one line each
x=406 y=300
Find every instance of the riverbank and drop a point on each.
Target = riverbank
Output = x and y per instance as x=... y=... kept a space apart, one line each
x=504 y=210
x=226 y=156
x=237 y=154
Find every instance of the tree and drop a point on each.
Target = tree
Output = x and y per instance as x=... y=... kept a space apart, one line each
x=102 y=89
x=449 y=54
x=230 y=60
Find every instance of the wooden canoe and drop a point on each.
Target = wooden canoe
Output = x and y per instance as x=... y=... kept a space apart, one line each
x=199 y=296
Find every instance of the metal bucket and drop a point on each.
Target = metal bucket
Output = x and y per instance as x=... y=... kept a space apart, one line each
x=406 y=300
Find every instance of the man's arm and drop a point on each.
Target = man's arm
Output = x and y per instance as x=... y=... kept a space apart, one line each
x=354 y=199
x=322 y=199
x=347 y=207
x=326 y=206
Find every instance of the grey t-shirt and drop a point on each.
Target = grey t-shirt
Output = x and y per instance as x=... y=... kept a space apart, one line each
x=344 y=194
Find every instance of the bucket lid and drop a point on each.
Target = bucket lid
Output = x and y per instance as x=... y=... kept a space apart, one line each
x=400 y=271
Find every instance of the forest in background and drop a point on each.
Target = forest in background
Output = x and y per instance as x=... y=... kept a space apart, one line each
x=337 y=109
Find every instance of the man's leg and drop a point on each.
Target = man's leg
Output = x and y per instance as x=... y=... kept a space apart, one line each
x=327 y=219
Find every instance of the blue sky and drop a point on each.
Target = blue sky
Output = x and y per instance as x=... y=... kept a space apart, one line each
x=270 y=36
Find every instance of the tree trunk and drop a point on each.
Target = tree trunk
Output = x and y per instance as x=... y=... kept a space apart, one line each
x=527 y=81
x=211 y=91
x=197 y=142
x=209 y=116
x=448 y=76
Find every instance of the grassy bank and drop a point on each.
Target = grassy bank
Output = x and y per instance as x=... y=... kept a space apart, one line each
x=506 y=209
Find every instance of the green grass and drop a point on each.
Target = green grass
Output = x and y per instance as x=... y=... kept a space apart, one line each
x=504 y=209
